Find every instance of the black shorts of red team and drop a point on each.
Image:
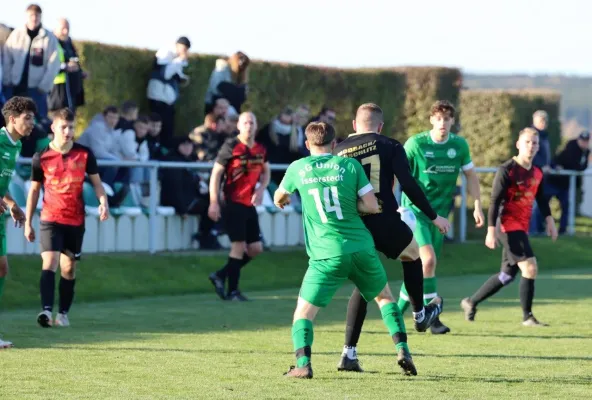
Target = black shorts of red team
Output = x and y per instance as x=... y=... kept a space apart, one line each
x=62 y=216
x=514 y=191
x=242 y=169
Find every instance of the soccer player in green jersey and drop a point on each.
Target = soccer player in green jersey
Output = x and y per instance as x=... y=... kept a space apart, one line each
x=436 y=158
x=19 y=114
x=334 y=190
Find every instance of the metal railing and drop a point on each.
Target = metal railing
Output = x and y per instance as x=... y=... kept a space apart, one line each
x=154 y=166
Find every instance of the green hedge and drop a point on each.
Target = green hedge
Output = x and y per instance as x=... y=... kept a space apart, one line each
x=121 y=73
x=491 y=120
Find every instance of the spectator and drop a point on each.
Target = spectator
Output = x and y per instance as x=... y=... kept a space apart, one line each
x=231 y=126
x=574 y=157
x=208 y=142
x=4 y=33
x=221 y=107
x=163 y=86
x=129 y=114
x=280 y=138
x=229 y=80
x=154 y=148
x=30 y=61
x=68 y=90
x=326 y=115
x=133 y=146
x=540 y=122
x=103 y=139
x=301 y=116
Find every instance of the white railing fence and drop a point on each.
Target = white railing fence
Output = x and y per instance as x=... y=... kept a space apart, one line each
x=155 y=166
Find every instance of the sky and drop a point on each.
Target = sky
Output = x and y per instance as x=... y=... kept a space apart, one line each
x=499 y=37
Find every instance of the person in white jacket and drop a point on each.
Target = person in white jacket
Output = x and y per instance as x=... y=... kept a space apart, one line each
x=30 y=61
x=163 y=87
x=134 y=146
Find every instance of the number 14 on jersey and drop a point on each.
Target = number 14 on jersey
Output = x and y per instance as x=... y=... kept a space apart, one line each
x=330 y=203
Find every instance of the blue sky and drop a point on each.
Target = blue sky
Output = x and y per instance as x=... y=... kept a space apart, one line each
x=505 y=36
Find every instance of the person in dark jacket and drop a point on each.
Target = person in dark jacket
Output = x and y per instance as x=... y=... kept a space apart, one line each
x=574 y=157
x=540 y=122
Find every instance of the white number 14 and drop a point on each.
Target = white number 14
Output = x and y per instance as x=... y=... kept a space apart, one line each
x=328 y=192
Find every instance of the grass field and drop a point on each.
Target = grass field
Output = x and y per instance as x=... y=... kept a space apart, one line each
x=129 y=340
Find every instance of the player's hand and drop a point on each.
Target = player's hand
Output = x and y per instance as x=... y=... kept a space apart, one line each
x=491 y=239
x=479 y=218
x=3 y=206
x=18 y=216
x=442 y=224
x=552 y=229
x=257 y=197
x=29 y=233
x=281 y=203
x=103 y=212
x=214 y=211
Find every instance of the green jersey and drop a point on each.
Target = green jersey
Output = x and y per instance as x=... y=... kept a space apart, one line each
x=436 y=167
x=9 y=153
x=329 y=187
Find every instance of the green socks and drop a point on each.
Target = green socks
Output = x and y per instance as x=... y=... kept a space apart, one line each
x=429 y=289
x=302 y=337
x=403 y=302
x=393 y=319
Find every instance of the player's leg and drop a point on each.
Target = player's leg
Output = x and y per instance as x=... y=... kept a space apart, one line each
x=423 y=237
x=51 y=243
x=70 y=256
x=254 y=247
x=369 y=276
x=235 y=222
x=4 y=344
x=529 y=270
x=357 y=308
x=321 y=281
x=423 y=317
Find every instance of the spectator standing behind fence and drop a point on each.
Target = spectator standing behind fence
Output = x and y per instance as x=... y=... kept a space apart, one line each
x=4 y=33
x=30 y=61
x=301 y=117
x=280 y=138
x=68 y=90
x=154 y=148
x=133 y=146
x=163 y=87
x=229 y=80
x=326 y=115
x=129 y=114
x=574 y=157
x=540 y=122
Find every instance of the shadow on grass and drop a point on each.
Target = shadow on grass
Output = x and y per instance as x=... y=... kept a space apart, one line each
x=140 y=319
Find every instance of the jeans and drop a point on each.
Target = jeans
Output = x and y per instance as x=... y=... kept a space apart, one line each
x=139 y=175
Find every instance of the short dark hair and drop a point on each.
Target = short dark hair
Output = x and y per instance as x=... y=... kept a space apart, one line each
x=443 y=107
x=128 y=106
x=369 y=113
x=143 y=119
x=35 y=8
x=319 y=133
x=18 y=105
x=64 y=114
x=110 y=110
x=155 y=117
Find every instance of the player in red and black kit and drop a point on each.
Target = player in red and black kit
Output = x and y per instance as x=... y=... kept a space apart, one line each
x=384 y=160
x=61 y=168
x=243 y=164
x=516 y=185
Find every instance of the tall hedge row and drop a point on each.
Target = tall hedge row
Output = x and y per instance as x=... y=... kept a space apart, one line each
x=121 y=73
x=491 y=120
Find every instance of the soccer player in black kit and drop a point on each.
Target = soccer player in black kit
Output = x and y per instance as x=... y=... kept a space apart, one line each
x=384 y=159
x=516 y=185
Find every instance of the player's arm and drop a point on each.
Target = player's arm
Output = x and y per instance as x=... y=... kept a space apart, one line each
x=15 y=211
x=33 y=196
x=287 y=186
x=92 y=171
x=473 y=186
x=501 y=183
x=367 y=202
x=215 y=179
x=543 y=204
x=408 y=183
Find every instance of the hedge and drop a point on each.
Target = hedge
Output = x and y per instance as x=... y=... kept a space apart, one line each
x=491 y=120
x=405 y=94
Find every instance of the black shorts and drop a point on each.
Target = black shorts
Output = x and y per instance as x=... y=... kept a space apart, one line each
x=241 y=223
x=516 y=247
x=66 y=239
x=391 y=235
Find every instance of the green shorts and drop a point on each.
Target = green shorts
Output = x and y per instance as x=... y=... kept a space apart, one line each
x=426 y=233
x=324 y=277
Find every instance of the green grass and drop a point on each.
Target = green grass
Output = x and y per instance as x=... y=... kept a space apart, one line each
x=194 y=346
x=141 y=344
x=111 y=277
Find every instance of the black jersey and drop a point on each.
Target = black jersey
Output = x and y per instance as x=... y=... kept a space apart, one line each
x=384 y=160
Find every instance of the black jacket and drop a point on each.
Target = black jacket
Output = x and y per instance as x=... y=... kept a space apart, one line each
x=571 y=158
